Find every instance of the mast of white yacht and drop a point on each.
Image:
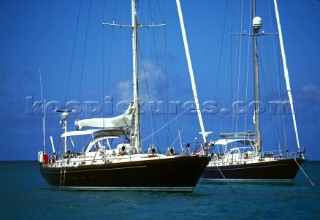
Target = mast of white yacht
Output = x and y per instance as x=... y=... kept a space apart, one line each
x=256 y=25
x=137 y=137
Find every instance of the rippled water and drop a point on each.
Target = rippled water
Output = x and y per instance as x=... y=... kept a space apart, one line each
x=24 y=194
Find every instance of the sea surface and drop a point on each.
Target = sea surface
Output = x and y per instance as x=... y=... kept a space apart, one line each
x=25 y=195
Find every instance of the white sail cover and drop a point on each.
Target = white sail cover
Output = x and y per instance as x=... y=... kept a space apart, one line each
x=115 y=123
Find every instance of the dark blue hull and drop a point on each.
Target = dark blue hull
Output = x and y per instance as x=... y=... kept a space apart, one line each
x=173 y=174
x=278 y=170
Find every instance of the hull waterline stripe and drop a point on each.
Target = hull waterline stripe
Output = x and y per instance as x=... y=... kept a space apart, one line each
x=168 y=189
x=93 y=170
x=283 y=181
x=242 y=168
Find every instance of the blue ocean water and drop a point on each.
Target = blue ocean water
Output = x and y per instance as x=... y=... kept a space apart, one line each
x=25 y=195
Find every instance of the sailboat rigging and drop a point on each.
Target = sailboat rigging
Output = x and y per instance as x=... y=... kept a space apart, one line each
x=99 y=167
x=241 y=157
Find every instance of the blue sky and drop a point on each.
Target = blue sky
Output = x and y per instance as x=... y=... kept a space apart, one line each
x=40 y=34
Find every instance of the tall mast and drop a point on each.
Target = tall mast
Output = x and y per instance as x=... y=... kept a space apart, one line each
x=137 y=138
x=256 y=25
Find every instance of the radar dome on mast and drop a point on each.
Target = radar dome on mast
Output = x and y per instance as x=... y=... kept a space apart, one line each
x=256 y=23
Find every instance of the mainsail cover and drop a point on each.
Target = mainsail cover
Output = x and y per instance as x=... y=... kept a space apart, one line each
x=115 y=123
